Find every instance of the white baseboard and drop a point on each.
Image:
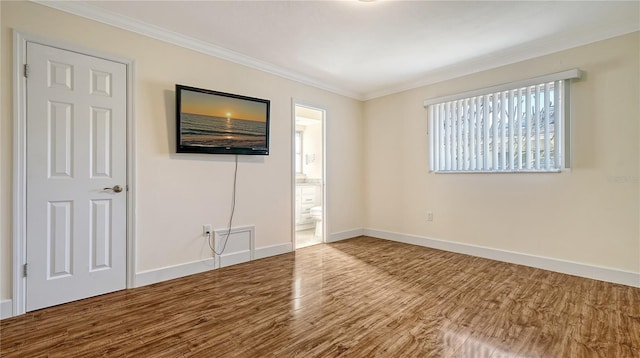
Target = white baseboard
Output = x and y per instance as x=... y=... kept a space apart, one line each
x=273 y=250
x=6 y=309
x=343 y=235
x=170 y=272
x=568 y=267
x=235 y=258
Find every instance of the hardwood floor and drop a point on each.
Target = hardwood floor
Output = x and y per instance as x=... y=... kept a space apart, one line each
x=361 y=297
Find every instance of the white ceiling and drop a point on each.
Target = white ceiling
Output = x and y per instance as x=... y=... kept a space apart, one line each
x=369 y=49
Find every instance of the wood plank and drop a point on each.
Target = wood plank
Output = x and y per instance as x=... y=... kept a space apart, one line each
x=362 y=297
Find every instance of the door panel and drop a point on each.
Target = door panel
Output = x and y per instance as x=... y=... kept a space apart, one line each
x=76 y=151
x=100 y=142
x=59 y=240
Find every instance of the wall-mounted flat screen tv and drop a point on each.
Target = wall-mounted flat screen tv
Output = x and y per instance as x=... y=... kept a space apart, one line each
x=221 y=123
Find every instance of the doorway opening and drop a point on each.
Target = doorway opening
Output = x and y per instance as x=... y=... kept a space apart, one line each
x=309 y=175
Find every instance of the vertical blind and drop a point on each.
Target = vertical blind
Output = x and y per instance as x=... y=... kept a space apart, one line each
x=511 y=128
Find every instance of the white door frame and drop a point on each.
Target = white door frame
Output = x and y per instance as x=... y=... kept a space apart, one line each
x=20 y=40
x=297 y=102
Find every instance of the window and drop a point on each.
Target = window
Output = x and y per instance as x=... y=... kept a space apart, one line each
x=518 y=127
x=298 y=151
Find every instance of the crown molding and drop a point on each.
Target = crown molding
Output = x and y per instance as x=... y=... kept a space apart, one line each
x=504 y=57
x=142 y=28
x=522 y=52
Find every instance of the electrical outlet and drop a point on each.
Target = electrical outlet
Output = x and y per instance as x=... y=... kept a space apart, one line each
x=429 y=216
x=206 y=230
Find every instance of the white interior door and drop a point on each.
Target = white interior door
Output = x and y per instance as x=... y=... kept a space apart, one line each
x=76 y=164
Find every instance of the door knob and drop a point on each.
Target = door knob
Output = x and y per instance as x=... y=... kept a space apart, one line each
x=116 y=188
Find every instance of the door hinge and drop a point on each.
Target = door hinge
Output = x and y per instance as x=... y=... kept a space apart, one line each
x=26 y=70
x=24 y=270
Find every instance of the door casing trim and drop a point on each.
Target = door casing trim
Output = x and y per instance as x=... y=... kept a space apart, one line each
x=19 y=93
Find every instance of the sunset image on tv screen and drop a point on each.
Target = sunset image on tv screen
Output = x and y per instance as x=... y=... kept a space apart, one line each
x=211 y=120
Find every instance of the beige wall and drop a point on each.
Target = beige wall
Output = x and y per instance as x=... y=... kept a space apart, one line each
x=176 y=194
x=589 y=215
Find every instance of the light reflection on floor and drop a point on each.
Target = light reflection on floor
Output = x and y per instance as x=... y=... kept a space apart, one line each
x=465 y=345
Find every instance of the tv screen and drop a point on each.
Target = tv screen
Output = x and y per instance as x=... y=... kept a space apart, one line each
x=221 y=123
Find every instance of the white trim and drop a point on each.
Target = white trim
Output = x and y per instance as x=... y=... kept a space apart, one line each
x=325 y=188
x=559 y=76
x=236 y=257
x=531 y=171
x=523 y=52
x=166 y=273
x=292 y=165
x=541 y=171
x=132 y=188
x=19 y=172
x=20 y=40
x=343 y=235
x=547 y=263
x=120 y=21
x=6 y=309
x=501 y=58
x=272 y=250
